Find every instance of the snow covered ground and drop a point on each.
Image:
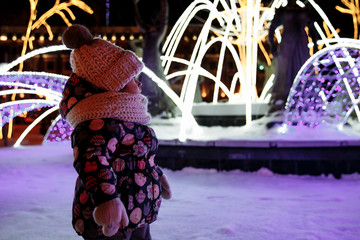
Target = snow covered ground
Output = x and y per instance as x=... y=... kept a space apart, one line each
x=36 y=190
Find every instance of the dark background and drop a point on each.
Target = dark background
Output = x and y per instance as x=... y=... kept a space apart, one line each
x=16 y=13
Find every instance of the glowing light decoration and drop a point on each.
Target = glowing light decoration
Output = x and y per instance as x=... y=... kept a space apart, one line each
x=238 y=30
x=58 y=8
x=327 y=88
x=353 y=10
x=59 y=131
x=33 y=124
x=48 y=85
x=239 y=27
x=175 y=98
x=45 y=84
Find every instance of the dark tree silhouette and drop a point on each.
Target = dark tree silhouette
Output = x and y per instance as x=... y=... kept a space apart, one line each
x=152 y=19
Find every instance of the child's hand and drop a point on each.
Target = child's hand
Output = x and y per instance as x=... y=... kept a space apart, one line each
x=165 y=187
x=110 y=215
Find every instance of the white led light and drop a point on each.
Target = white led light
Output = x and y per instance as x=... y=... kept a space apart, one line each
x=33 y=124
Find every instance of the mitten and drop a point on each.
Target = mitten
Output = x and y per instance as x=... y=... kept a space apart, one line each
x=110 y=215
x=165 y=187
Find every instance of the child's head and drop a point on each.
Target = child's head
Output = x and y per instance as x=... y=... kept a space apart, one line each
x=100 y=62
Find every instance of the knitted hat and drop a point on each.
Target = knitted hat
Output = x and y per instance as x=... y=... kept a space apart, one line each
x=100 y=62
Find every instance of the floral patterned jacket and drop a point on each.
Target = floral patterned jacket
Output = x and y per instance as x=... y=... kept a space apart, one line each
x=114 y=158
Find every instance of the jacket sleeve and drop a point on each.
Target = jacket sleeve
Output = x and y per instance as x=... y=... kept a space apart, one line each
x=153 y=151
x=96 y=174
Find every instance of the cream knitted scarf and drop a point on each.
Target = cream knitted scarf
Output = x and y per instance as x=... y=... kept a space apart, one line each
x=120 y=105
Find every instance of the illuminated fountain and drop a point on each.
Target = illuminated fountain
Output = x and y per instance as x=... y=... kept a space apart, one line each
x=239 y=28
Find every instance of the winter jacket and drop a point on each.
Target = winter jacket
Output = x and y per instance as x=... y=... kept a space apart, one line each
x=113 y=158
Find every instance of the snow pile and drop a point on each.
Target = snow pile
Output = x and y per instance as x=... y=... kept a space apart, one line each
x=168 y=129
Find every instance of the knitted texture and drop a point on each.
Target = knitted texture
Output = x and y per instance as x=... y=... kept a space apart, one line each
x=105 y=65
x=119 y=105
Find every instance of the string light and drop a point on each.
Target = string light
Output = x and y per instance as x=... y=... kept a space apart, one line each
x=3 y=38
x=33 y=124
x=326 y=89
x=58 y=131
x=49 y=85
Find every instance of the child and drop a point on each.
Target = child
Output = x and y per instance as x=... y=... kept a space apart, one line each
x=119 y=188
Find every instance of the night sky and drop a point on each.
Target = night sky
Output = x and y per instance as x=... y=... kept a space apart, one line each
x=121 y=12
x=16 y=12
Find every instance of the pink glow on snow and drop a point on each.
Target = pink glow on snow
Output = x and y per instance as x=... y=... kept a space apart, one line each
x=37 y=189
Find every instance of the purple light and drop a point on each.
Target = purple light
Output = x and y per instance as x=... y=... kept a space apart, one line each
x=329 y=90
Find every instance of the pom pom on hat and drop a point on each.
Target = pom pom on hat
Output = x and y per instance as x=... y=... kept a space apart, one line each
x=76 y=35
x=100 y=62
